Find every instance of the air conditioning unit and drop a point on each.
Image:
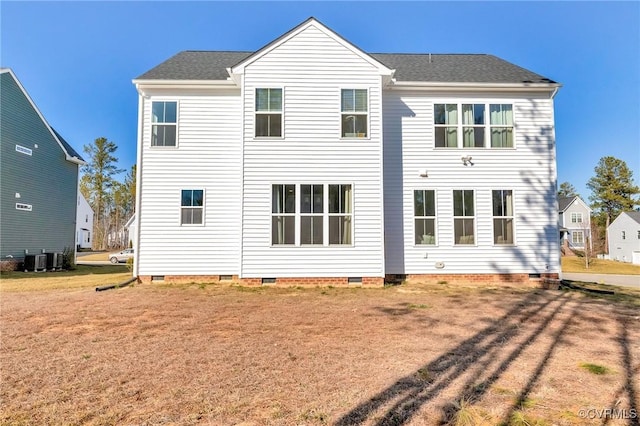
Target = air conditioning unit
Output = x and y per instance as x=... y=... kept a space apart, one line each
x=35 y=262
x=54 y=261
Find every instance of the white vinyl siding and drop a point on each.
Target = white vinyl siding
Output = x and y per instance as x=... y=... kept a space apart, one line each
x=409 y=152
x=313 y=68
x=209 y=158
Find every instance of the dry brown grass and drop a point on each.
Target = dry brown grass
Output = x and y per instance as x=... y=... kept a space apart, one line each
x=103 y=256
x=413 y=354
x=598 y=266
x=81 y=277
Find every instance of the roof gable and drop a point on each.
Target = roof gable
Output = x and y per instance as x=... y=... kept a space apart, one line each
x=70 y=154
x=633 y=215
x=311 y=22
x=565 y=202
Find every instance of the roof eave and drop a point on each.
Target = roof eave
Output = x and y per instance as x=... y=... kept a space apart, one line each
x=183 y=84
x=474 y=86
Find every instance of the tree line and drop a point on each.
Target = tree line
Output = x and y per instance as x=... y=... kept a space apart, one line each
x=113 y=202
x=612 y=192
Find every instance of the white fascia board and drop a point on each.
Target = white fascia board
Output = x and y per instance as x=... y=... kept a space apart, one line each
x=552 y=88
x=141 y=85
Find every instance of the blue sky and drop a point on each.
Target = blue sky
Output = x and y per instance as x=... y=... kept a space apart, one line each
x=77 y=59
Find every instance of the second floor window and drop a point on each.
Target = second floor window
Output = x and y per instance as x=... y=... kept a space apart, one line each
x=355 y=115
x=576 y=217
x=268 y=112
x=164 y=123
x=473 y=125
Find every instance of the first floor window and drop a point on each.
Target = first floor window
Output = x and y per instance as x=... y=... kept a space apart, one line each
x=502 y=216
x=354 y=108
x=577 y=237
x=463 y=217
x=283 y=214
x=424 y=210
x=164 y=123
x=192 y=207
x=268 y=112
x=311 y=214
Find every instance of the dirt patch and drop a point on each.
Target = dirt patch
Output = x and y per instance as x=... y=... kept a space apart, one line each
x=413 y=354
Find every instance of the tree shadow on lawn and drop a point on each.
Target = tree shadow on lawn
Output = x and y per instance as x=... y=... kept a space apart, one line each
x=486 y=355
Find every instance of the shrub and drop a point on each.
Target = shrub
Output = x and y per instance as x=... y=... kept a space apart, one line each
x=68 y=259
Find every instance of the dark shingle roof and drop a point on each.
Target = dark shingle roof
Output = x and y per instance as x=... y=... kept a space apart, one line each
x=634 y=215
x=444 y=68
x=72 y=152
x=563 y=202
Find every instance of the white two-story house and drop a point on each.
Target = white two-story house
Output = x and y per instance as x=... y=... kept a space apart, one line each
x=310 y=161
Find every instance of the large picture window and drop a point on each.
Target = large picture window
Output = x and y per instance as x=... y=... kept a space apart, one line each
x=463 y=217
x=268 y=112
x=283 y=218
x=311 y=214
x=355 y=113
x=164 y=123
x=424 y=210
x=502 y=216
x=192 y=207
x=577 y=238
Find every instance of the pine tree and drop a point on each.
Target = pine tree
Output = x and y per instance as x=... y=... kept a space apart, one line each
x=97 y=182
x=612 y=191
x=567 y=190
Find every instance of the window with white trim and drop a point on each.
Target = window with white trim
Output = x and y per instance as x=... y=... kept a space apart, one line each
x=340 y=214
x=192 y=207
x=354 y=108
x=268 y=112
x=323 y=216
x=312 y=214
x=576 y=217
x=463 y=217
x=501 y=123
x=164 y=119
x=577 y=237
x=283 y=214
x=467 y=125
x=424 y=211
x=502 y=216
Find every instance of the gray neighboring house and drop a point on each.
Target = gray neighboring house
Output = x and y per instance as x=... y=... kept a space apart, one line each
x=574 y=219
x=624 y=238
x=38 y=178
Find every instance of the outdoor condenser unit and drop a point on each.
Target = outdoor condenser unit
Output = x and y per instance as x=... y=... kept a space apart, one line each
x=54 y=261
x=35 y=262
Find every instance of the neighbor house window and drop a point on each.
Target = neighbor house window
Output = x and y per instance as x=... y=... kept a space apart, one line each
x=192 y=207
x=340 y=214
x=501 y=120
x=355 y=115
x=463 y=217
x=624 y=235
x=576 y=217
x=424 y=210
x=268 y=112
x=311 y=214
x=577 y=237
x=502 y=216
x=473 y=125
x=164 y=123
x=446 y=125
x=283 y=214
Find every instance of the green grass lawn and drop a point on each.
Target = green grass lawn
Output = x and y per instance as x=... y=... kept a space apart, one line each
x=598 y=266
